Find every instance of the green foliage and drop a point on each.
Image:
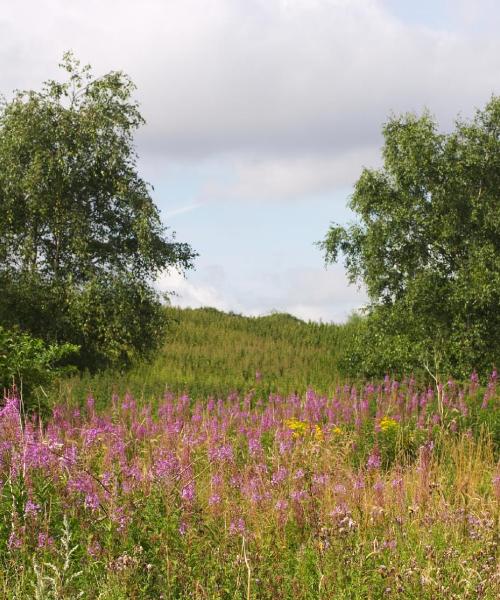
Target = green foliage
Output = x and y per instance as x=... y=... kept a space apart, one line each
x=77 y=220
x=117 y=320
x=209 y=352
x=427 y=247
x=28 y=363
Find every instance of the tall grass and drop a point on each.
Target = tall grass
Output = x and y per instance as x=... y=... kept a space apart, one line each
x=208 y=353
x=375 y=491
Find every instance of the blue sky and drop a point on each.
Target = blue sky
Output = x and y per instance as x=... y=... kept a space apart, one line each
x=261 y=115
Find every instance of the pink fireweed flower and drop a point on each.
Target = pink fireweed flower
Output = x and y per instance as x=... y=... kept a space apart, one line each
x=359 y=483
x=298 y=495
x=397 y=483
x=31 y=508
x=15 y=542
x=320 y=478
x=90 y=404
x=254 y=447
x=120 y=518
x=496 y=485
x=166 y=467
x=44 y=540
x=221 y=454
x=188 y=492
x=94 y=549
x=214 y=500
x=279 y=476
x=235 y=481
x=436 y=419
x=237 y=527
x=281 y=505
x=216 y=480
x=389 y=545
x=91 y=501
x=128 y=403
x=378 y=488
x=374 y=460
x=285 y=446
x=261 y=468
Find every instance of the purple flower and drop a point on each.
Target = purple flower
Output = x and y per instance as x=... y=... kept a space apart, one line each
x=299 y=474
x=339 y=488
x=44 y=540
x=254 y=446
x=281 y=505
x=188 y=492
x=320 y=478
x=359 y=483
x=94 y=549
x=90 y=404
x=214 y=500
x=374 y=460
x=237 y=526
x=221 y=454
x=31 y=508
x=397 y=483
x=496 y=485
x=279 y=476
x=91 y=501
x=216 y=479
x=14 y=542
x=298 y=495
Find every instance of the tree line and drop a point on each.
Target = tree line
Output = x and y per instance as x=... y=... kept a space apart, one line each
x=82 y=242
x=426 y=246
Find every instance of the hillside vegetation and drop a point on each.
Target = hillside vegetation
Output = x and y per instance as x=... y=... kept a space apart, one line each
x=209 y=352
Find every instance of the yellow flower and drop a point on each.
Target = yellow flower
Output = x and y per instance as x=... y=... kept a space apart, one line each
x=337 y=430
x=318 y=433
x=387 y=423
x=299 y=428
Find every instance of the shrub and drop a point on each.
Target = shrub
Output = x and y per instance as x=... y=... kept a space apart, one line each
x=28 y=363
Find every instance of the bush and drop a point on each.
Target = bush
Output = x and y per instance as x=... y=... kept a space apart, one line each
x=28 y=363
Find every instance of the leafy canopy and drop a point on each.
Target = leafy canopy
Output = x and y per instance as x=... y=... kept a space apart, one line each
x=78 y=223
x=427 y=245
x=73 y=205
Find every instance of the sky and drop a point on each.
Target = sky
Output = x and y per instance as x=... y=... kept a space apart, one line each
x=260 y=116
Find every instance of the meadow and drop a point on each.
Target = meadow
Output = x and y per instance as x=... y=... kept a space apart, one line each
x=351 y=490
x=149 y=452
x=210 y=352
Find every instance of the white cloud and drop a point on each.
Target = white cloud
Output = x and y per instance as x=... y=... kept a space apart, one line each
x=189 y=294
x=290 y=178
x=245 y=76
x=181 y=210
x=308 y=293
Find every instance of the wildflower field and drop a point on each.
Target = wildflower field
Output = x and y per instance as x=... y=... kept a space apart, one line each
x=387 y=489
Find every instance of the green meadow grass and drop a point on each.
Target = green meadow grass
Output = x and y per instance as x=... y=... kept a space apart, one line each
x=211 y=353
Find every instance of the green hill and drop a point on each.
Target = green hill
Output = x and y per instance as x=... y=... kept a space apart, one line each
x=208 y=352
